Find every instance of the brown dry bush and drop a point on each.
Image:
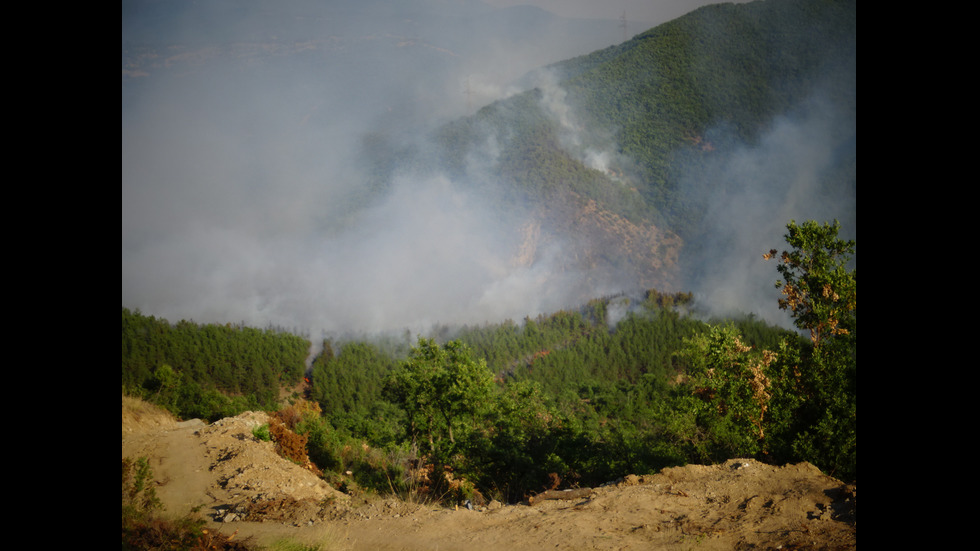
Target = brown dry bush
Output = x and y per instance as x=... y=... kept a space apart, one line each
x=178 y=535
x=295 y=413
x=291 y=445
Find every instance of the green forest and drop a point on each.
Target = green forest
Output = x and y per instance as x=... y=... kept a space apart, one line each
x=582 y=395
x=667 y=100
x=208 y=371
x=665 y=107
x=622 y=384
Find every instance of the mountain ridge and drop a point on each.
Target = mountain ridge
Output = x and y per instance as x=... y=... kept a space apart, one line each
x=627 y=127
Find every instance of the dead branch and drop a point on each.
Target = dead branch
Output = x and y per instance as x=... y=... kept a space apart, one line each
x=560 y=494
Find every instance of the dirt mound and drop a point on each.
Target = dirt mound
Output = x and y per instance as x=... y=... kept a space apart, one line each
x=221 y=466
x=241 y=484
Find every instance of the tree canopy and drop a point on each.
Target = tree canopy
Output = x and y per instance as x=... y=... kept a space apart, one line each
x=818 y=288
x=623 y=384
x=442 y=389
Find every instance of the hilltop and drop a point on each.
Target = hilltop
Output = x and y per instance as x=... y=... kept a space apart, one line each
x=634 y=157
x=739 y=504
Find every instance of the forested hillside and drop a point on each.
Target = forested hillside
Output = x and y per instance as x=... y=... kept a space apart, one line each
x=583 y=392
x=634 y=381
x=621 y=385
x=684 y=89
x=208 y=370
x=611 y=136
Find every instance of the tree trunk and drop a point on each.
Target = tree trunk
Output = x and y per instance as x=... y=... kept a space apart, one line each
x=560 y=494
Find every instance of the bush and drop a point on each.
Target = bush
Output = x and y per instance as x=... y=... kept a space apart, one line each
x=139 y=498
x=727 y=392
x=290 y=445
x=262 y=433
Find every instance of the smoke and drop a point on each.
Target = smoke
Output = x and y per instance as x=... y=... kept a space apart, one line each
x=592 y=147
x=792 y=172
x=249 y=195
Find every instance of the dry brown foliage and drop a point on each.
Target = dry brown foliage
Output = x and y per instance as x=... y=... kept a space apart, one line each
x=159 y=533
x=290 y=445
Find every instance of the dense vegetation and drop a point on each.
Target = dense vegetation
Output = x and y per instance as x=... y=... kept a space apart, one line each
x=623 y=384
x=666 y=100
x=618 y=386
x=208 y=370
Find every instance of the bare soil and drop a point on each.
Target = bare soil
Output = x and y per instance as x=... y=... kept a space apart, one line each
x=244 y=488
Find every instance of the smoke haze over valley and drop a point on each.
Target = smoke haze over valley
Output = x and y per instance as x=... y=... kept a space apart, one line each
x=271 y=173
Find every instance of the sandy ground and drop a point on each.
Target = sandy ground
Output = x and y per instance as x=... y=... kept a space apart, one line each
x=221 y=469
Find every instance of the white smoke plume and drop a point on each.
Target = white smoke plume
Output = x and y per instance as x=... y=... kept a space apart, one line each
x=758 y=189
x=589 y=146
x=243 y=153
x=243 y=149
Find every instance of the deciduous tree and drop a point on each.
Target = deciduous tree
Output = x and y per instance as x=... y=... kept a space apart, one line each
x=818 y=392
x=440 y=388
x=818 y=288
x=729 y=392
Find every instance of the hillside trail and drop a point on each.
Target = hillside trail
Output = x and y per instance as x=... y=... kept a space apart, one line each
x=242 y=487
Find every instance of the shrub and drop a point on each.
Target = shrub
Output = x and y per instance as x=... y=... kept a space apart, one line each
x=262 y=433
x=291 y=445
x=139 y=498
x=141 y=529
x=728 y=392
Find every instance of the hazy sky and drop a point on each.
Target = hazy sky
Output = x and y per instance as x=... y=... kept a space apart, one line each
x=649 y=11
